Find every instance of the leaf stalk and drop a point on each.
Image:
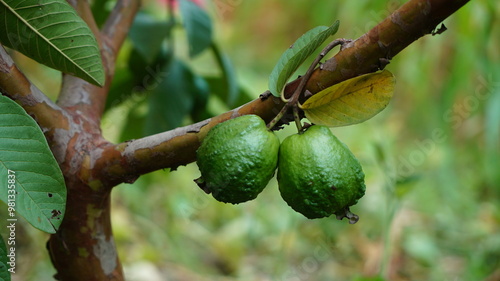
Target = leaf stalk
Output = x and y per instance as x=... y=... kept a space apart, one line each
x=293 y=101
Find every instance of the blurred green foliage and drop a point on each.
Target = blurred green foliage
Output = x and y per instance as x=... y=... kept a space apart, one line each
x=432 y=164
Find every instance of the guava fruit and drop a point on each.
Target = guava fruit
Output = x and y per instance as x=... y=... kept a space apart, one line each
x=318 y=175
x=237 y=159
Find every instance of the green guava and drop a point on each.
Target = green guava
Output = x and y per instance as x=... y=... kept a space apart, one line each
x=318 y=175
x=237 y=159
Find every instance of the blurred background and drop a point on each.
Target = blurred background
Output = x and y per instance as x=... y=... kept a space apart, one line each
x=431 y=158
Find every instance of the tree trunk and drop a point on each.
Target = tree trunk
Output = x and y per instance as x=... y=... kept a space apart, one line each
x=84 y=248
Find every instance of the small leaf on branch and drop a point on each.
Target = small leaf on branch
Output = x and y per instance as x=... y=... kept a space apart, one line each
x=352 y=101
x=294 y=56
x=31 y=181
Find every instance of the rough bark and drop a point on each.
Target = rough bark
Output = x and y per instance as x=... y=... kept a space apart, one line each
x=83 y=248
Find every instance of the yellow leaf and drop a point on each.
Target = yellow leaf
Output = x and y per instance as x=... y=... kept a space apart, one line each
x=352 y=101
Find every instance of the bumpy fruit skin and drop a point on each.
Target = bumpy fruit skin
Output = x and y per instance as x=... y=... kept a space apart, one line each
x=237 y=159
x=318 y=175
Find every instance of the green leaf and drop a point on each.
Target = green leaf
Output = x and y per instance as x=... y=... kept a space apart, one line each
x=200 y=91
x=198 y=27
x=172 y=100
x=147 y=35
x=121 y=88
x=218 y=88
x=135 y=120
x=352 y=101
x=230 y=90
x=4 y=267
x=51 y=32
x=294 y=56
x=27 y=162
x=138 y=78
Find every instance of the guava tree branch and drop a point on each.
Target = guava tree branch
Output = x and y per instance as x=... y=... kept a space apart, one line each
x=373 y=50
x=369 y=53
x=118 y=24
x=77 y=94
x=125 y=162
x=15 y=85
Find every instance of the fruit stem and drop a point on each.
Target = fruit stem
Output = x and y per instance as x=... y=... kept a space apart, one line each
x=346 y=213
x=296 y=117
x=278 y=116
x=294 y=99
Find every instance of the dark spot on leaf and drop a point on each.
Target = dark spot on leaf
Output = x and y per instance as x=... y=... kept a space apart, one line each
x=55 y=214
x=50 y=194
x=333 y=187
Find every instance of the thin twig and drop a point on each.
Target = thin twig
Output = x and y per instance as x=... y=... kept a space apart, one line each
x=299 y=91
x=304 y=79
x=118 y=24
x=296 y=117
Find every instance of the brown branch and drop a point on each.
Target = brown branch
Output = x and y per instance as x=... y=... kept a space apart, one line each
x=376 y=48
x=117 y=26
x=15 y=85
x=125 y=162
x=78 y=95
